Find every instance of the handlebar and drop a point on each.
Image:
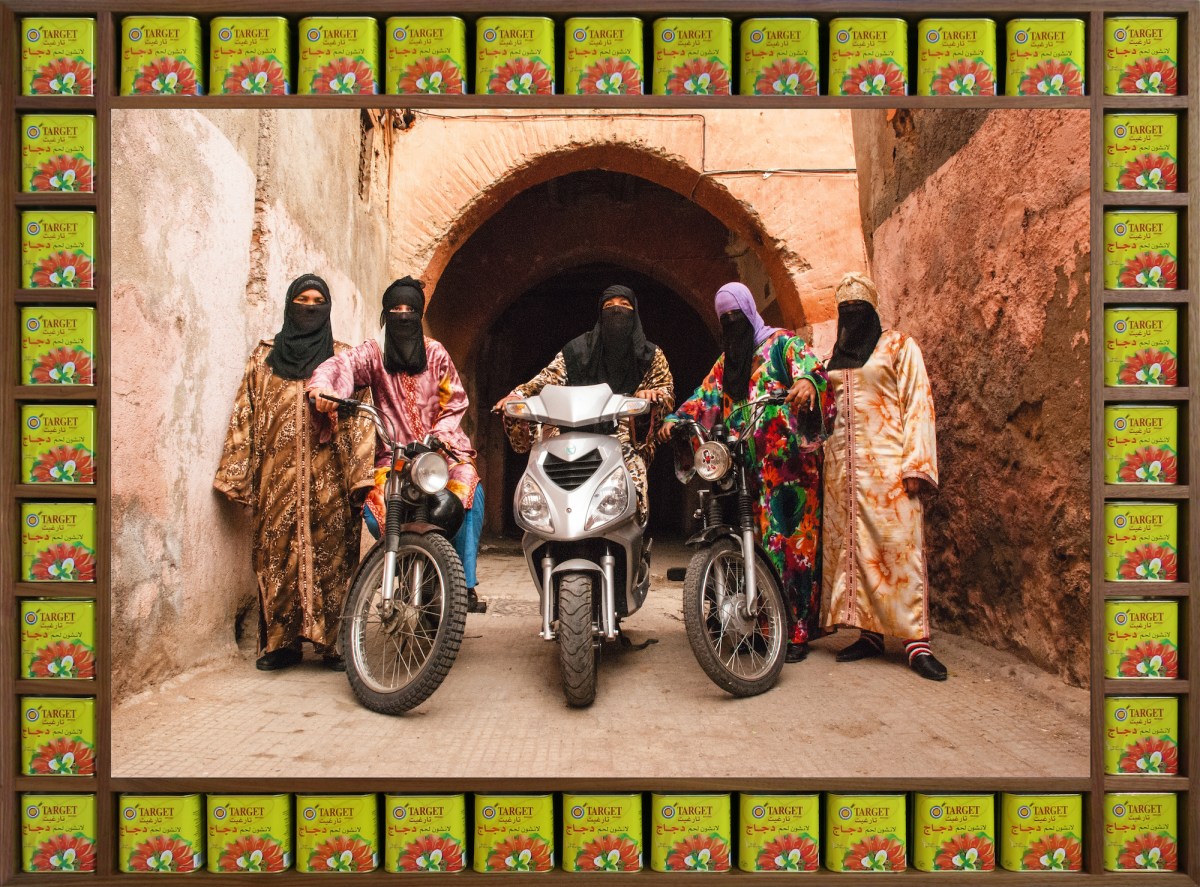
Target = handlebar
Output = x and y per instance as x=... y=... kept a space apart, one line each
x=685 y=425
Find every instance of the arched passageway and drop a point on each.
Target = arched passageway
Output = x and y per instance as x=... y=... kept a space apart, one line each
x=526 y=281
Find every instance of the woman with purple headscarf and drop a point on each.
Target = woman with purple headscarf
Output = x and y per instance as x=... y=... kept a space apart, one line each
x=760 y=361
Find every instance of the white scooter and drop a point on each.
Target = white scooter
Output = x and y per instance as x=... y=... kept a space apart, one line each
x=578 y=506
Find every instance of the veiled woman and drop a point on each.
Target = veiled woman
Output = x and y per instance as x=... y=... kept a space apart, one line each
x=759 y=361
x=305 y=495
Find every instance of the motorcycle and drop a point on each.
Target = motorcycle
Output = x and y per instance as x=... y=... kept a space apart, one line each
x=735 y=617
x=577 y=504
x=406 y=607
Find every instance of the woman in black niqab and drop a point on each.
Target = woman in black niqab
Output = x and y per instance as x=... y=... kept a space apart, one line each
x=615 y=351
x=306 y=339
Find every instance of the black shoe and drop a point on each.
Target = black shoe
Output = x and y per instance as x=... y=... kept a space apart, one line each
x=796 y=652
x=928 y=667
x=864 y=648
x=277 y=659
x=474 y=604
x=333 y=662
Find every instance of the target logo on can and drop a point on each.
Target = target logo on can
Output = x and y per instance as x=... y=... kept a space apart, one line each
x=1021 y=37
x=33 y=229
x=668 y=35
x=580 y=35
x=33 y=133
x=1119 y=35
x=1120 y=130
x=135 y=34
x=400 y=35
x=758 y=812
x=843 y=36
x=578 y=811
x=489 y=812
x=489 y=35
x=314 y=35
x=225 y=34
x=1024 y=812
x=399 y=813
x=756 y=36
x=935 y=812
x=1119 y=521
x=1119 y=423
x=130 y=813
x=845 y=813
x=1121 y=618
x=933 y=36
x=668 y=812
x=31 y=618
x=1119 y=229
x=34 y=423
x=219 y=813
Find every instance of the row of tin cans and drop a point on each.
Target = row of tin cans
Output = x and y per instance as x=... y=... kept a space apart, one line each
x=516 y=55
x=516 y=833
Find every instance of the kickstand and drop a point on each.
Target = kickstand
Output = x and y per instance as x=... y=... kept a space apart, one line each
x=626 y=643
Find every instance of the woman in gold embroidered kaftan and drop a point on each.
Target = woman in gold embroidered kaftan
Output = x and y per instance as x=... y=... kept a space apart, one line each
x=302 y=492
x=881 y=453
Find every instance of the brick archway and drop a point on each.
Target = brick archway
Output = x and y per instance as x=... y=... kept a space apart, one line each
x=674 y=173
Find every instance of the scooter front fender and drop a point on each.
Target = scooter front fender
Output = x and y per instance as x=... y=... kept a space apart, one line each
x=709 y=535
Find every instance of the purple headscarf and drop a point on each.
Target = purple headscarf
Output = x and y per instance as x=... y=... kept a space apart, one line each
x=737 y=295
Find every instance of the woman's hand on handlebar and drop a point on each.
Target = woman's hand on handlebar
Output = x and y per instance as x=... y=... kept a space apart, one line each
x=803 y=393
x=667 y=429
x=321 y=400
x=499 y=407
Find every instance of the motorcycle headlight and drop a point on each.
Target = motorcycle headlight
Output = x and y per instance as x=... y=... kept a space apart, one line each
x=712 y=460
x=430 y=473
x=533 y=507
x=609 y=501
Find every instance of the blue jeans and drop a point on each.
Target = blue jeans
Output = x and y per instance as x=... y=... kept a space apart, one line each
x=465 y=541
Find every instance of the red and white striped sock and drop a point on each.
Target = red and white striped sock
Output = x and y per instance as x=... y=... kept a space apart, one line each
x=913 y=649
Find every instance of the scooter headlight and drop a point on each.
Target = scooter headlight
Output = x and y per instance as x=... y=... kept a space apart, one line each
x=533 y=507
x=430 y=473
x=609 y=501
x=712 y=460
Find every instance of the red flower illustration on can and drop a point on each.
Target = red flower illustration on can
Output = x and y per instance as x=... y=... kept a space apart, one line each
x=62 y=173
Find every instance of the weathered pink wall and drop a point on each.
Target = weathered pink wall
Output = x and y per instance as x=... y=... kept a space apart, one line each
x=982 y=256
x=214 y=214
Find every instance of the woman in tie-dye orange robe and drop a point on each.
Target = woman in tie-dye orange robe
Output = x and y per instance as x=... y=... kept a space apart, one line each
x=874 y=545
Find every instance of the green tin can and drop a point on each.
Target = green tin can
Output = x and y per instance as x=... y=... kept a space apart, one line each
x=426 y=55
x=780 y=56
x=57 y=152
x=956 y=56
x=1141 y=55
x=865 y=833
x=1141 y=249
x=514 y=833
x=249 y=55
x=690 y=833
x=58 y=444
x=1141 y=443
x=693 y=56
x=58 y=736
x=603 y=56
x=1141 y=541
x=339 y=55
x=1140 y=345
x=1140 y=832
x=337 y=833
x=1045 y=57
x=514 y=55
x=954 y=833
x=425 y=833
x=161 y=55
x=58 y=833
x=602 y=833
x=58 y=640
x=58 y=345
x=779 y=833
x=160 y=833
x=58 y=542
x=1141 y=639
x=1141 y=735
x=1141 y=152
x=58 y=56
x=868 y=56
x=57 y=247
x=1041 y=833
x=249 y=834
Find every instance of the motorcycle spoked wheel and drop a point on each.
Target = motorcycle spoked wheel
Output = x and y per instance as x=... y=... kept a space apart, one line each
x=742 y=656
x=395 y=661
x=578 y=652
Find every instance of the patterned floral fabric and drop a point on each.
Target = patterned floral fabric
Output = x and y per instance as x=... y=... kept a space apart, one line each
x=786 y=448
x=306 y=529
x=874 y=549
x=638 y=441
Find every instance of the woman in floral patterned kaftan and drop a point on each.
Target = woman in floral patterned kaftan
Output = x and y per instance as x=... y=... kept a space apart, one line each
x=760 y=361
x=881 y=453
x=306 y=494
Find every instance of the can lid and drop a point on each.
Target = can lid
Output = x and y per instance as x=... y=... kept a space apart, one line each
x=489 y=20
x=129 y=19
x=691 y=19
x=834 y=22
x=225 y=20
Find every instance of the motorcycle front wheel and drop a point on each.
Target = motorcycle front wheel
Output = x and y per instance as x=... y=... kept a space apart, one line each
x=578 y=653
x=741 y=653
x=397 y=655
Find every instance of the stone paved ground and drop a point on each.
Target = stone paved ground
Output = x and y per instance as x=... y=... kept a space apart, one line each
x=500 y=712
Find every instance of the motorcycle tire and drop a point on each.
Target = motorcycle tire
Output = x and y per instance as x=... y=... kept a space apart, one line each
x=422 y=642
x=759 y=645
x=578 y=653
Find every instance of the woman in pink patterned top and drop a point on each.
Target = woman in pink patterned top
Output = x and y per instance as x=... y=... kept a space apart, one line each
x=414 y=383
